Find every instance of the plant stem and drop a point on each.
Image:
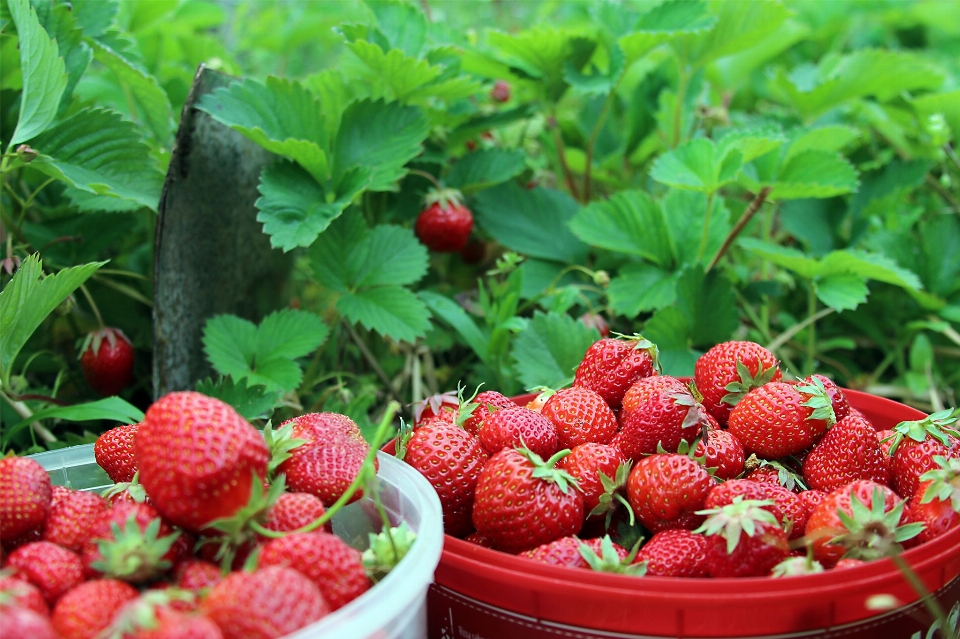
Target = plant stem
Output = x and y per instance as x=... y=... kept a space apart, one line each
x=372 y=361
x=562 y=155
x=944 y=193
x=24 y=411
x=432 y=179
x=748 y=214
x=917 y=584
x=682 y=82
x=812 y=334
x=705 y=234
x=93 y=305
x=788 y=334
x=593 y=140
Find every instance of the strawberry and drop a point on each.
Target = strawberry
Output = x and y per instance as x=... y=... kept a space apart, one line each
x=486 y=402
x=598 y=554
x=847 y=452
x=726 y=372
x=777 y=472
x=666 y=490
x=611 y=366
x=198 y=458
x=25 y=495
x=936 y=503
x=22 y=594
x=451 y=460
x=267 y=603
x=785 y=505
x=51 y=568
x=841 y=407
x=601 y=472
x=196 y=574
x=596 y=320
x=518 y=426
x=325 y=559
x=658 y=413
x=87 y=610
x=479 y=540
x=522 y=502
x=722 y=453
x=744 y=539
x=675 y=552
x=580 y=416
x=130 y=541
x=445 y=224
x=24 y=622
x=443 y=405
x=914 y=446
x=500 y=91
x=106 y=357
x=72 y=516
x=292 y=511
x=848 y=562
x=154 y=616
x=115 y=453
x=780 y=419
x=811 y=499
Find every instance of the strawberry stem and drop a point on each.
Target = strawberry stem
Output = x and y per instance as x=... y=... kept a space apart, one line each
x=93 y=306
x=424 y=174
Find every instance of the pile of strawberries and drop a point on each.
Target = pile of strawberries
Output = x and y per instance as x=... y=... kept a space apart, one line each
x=736 y=473
x=213 y=530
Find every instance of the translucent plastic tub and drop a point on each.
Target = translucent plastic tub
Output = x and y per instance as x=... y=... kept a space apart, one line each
x=393 y=609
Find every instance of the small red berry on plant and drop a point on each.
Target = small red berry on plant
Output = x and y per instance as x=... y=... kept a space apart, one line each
x=500 y=91
x=445 y=224
x=106 y=357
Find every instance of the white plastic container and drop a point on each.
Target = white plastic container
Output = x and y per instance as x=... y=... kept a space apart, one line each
x=395 y=608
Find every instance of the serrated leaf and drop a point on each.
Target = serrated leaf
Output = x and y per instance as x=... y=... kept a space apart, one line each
x=670 y=331
x=531 y=221
x=640 y=288
x=44 y=74
x=697 y=165
x=543 y=52
x=96 y=151
x=402 y=23
x=666 y=22
x=485 y=168
x=401 y=73
x=59 y=21
x=871 y=266
x=629 y=222
x=252 y=402
x=28 y=299
x=597 y=82
x=786 y=257
x=808 y=174
x=685 y=215
x=151 y=102
x=293 y=207
x=95 y=17
x=381 y=137
x=391 y=311
x=738 y=26
x=289 y=334
x=109 y=408
x=549 y=349
x=334 y=258
x=454 y=315
x=841 y=291
x=751 y=142
x=824 y=138
x=281 y=115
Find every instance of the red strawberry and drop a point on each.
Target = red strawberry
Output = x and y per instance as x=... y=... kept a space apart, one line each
x=486 y=402
x=601 y=472
x=22 y=594
x=130 y=541
x=115 y=453
x=87 y=610
x=599 y=554
x=264 y=604
x=51 y=568
x=479 y=540
x=72 y=516
x=658 y=413
x=325 y=559
x=665 y=491
x=722 y=453
x=24 y=622
x=144 y=618
x=726 y=372
x=445 y=224
x=595 y=320
x=915 y=445
x=106 y=358
x=451 y=459
x=581 y=416
x=785 y=505
x=292 y=511
x=198 y=458
x=611 y=366
x=518 y=426
x=25 y=495
x=841 y=407
x=441 y=405
x=675 y=552
x=847 y=452
x=196 y=574
x=522 y=502
x=811 y=499
x=798 y=565
x=500 y=91
x=780 y=419
x=936 y=503
x=744 y=539
x=848 y=562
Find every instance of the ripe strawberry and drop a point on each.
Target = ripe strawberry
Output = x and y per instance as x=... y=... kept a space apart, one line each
x=325 y=559
x=51 y=568
x=658 y=413
x=847 y=452
x=500 y=91
x=744 y=539
x=87 y=610
x=130 y=541
x=196 y=574
x=811 y=499
x=785 y=505
x=581 y=416
x=936 y=503
x=267 y=603
x=486 y=402
x=209 y=472
x=106 y=357
x=915 y=445
x=780 y=419
x=25 y=495
x=596 y=320
x=601 y=472
x=22 y=594
x=518 y=426
x=24 y=622
x=726 y=372
x=666 y=490
x=451 y=460
x=675 y=552
x=479 y=540
x=722 y=453
x=841 y=407
x=522 y=502
x=72 y=516
x=598 y=554
x=445 y=224
x=848 y=562
x=611 y=366
x=114 y=452
x=443 y=405
x=153 y=616
x=292 y=511
x=775 y=472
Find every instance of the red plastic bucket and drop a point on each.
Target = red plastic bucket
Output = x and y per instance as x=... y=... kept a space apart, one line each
x=485 y=594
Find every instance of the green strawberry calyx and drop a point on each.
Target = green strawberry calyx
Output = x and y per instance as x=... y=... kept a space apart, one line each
x=872 y=531
x=944 y=482
x=132 y=487
x=548 y=471
x=134 y=554
x=793 y=566
x=141 y=613
x=937 y=425
x=438 y=402
x=280 y=443
x=612 y=494
x=696 y=414
x=95 y=339
x=818 y=400
x=747 y=382
x=445 y=197
x=386 y=550
x=785 y=477
x=735 y=519
x=609 y=561
x=643 y=344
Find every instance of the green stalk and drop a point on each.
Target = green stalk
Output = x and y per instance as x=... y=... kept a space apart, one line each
x=682 y=82
x=706 y=227
x=812 y=334
x=933 y=606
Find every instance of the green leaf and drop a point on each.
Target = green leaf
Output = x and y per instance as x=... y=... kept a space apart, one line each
x=252 y=402
x=669 y=329
x=597 y=82
x=485 y=168
x=841 y=291
x=548 y=351
x=150 y=100
x=808 y=174
x=266 y=354
x=334 y=258
x=531 y=221
x=97 y=152
x=824 y=138
x=381 y=137
x=640 y=288
x=44 y=74
x=402 y=24
x=389 y=310
x=946 y=104
x=293 y=207
x=401 y=73
x=28 y=299
x=739 y=25
x=454 y=315
x=871 y=266
x=751 y=142
x=59 y=21
x=698 y=165
x=664 y=23
x=629 y=222
x=282 y=116
x=543 y=52
x=788 y=258
x=95 y=17
x=685 y=215
x=110 y=408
